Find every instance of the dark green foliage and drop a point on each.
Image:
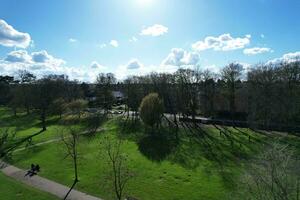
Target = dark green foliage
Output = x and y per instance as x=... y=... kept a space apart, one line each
x=151 y=109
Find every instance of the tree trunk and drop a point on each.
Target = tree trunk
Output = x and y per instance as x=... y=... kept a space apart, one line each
x=43 y=119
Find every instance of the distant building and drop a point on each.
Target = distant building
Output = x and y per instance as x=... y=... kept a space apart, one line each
x=118 y=95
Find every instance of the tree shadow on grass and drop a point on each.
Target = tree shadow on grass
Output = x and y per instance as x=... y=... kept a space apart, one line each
x=156 y=147
x=130 y=130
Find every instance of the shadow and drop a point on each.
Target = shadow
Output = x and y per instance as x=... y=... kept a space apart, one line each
x=156 y=147
x=21 y=121
x=130 y=130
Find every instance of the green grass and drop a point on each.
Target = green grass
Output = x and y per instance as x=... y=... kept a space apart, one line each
x=12 y=190
x=200 y=165
x=28 y=124
x=190 y=170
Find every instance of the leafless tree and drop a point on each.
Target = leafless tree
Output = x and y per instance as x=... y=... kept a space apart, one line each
x=120 y=173
x=71 y=141
x=231 y=74
x=274 y=175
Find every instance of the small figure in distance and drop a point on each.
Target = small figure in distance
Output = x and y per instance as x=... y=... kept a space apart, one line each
x=33 y=171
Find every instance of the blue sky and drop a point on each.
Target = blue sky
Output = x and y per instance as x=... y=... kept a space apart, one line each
x=85 y=37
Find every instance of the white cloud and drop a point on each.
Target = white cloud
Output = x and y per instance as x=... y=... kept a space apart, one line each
x=257 y=50
x=73 y=40
x=96 y=65
x=262 y=35
x=134 y=67
x=223 y=42
x=179 y=57
x=155 y=30
x=114 y=43
x=44 y=57
x=133 y=39
x=18 y=56
x=288 y=58
x=134 y=64
x=9 y=37
x=41 y=64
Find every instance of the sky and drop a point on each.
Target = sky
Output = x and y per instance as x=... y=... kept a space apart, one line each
x=82 y=38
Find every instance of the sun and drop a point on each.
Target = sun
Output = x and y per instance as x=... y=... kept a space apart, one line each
x=144 y=2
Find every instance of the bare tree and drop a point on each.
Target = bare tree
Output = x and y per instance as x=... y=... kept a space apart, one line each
x=71 y=142
x=231 y=74
x=274 y=175
x=120 y=173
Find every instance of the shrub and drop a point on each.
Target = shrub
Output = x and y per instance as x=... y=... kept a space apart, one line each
x=151 y=109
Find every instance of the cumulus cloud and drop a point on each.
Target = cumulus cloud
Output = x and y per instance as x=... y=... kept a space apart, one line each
x=114 y=43
x=134 y=64
x=41 y=56
x=10 y=37
x=257 y=50
x=18 y=56
x=223 y=42
x=179 y=57
x=155 y=30
x=287 y=58
x=41 y=64
x=44 y=57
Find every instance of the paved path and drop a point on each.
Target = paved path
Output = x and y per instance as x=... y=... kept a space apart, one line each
x=38 y=144
x=43 y=184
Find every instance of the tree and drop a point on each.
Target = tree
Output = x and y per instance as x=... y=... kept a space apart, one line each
x=231 y=74
x=26 y=77
x=151 y=109
x=119 y=173
x=24 y=90
x=104 y=83
x=94 y=121
x=77 y=106
x=209 y=90
x=71 y=141
x=274 y=175
x=134 y=95
x=46 y=90
x=5 y=89
x=188 y=90
x=58 y=107
x=6 y=142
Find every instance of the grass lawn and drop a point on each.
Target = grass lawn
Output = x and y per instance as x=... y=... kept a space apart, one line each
x=12 y=190
x=203 y=164
x=27 y=125
x=190 y=171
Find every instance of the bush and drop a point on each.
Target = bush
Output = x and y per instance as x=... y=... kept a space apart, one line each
x=77 y=106
x=151 y=109
x=94 y=121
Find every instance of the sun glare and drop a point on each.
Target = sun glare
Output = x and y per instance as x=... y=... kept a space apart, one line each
x=144 y=2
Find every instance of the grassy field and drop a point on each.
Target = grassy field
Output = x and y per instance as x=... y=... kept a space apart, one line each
x=12 y=190
x=203 y=164
x=25 y=125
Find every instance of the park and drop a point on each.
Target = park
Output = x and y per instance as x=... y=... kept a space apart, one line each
x=149 y=100
x=145 y=142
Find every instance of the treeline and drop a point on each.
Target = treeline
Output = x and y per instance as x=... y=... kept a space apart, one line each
x=266 y=97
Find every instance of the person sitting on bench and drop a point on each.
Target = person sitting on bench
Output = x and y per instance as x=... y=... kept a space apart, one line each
x=33 y=171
